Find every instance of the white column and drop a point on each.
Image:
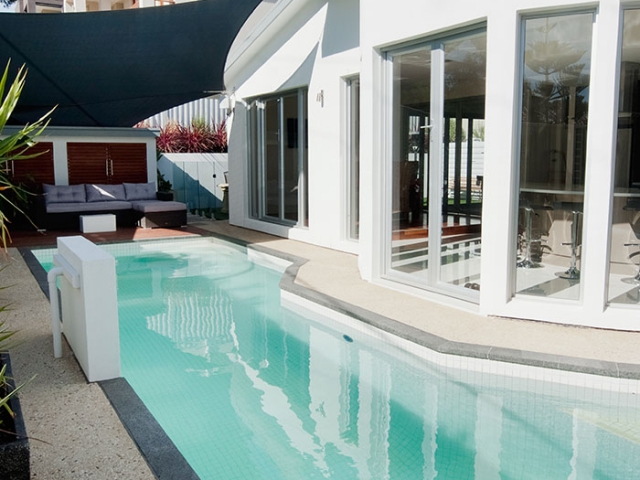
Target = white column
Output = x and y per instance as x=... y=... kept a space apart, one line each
x=90 y=313
x=601 y=147
x=79 y=5
x=499 y=199
x=60 y=163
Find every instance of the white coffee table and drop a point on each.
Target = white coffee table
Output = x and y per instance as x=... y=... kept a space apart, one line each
x=98 y=223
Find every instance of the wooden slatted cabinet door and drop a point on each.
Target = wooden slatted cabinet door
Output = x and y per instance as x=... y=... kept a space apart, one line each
x=87 y=163
x=128 y=162
x=33 y=172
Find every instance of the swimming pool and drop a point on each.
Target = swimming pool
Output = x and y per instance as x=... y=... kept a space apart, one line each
x=247 y=389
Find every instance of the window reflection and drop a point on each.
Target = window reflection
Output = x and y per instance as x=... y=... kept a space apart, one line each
x=624 y=282
x=353 y=158
x=555 y=101
x=447 y=181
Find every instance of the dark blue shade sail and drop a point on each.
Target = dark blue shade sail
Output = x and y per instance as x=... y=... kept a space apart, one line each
x=116 y=68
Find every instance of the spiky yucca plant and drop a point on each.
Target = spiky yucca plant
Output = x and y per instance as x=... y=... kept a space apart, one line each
x=14 y=148
x=6 y=342
x=6 y=393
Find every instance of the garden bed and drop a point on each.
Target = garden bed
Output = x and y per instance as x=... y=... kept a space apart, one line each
x=14 y=447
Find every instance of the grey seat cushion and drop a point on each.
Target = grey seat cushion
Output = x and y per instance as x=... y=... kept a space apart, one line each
x=140 y=191
x=105 y=193
x=88 y=207
x=150 y=206
x=64 y=194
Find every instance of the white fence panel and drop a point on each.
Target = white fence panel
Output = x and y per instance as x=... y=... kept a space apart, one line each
x=207 y=109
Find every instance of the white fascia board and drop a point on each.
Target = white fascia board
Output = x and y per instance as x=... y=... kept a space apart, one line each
x=102 y=132
x=281 y=13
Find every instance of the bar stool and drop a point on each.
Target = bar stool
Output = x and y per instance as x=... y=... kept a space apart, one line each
x=529 y=241
x=633 y=280
x=573 y=273
x=527 y=261
x=633 y=205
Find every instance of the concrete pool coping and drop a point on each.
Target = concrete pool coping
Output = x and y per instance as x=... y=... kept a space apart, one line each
x=331 y=279
x=587 y=350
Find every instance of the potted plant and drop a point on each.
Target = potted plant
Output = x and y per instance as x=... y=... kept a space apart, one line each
x=165 y=191
x=14 y=443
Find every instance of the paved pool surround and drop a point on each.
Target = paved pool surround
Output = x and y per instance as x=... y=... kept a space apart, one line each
x=86 y=439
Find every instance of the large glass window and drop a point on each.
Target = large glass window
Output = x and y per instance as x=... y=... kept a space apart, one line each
x=353 y=158
x=555 y=101
x=437 y=158
x=624 y=270
x=278 y=147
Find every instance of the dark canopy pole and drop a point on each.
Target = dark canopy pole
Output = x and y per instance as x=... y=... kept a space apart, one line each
x=116 y=68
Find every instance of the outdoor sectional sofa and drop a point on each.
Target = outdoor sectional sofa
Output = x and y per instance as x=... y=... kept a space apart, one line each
x=132 y=204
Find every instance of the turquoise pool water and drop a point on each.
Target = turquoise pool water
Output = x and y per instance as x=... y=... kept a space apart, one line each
x=247 y=389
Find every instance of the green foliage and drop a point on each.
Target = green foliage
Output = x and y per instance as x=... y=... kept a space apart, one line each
x=164 y=185
x=478 y=132
x=5 y=392
x=452 y=131
x=14 y=148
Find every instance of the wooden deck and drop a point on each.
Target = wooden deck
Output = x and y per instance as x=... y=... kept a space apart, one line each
x=49 y=238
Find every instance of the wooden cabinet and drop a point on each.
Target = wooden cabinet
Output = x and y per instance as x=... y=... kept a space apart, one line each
x=107 y=163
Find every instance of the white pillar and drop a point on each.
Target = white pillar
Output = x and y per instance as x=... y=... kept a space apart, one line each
x=90 y=313
x=60 y=163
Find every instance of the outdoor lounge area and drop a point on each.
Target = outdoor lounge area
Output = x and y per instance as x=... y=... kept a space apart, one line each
x=62 y=206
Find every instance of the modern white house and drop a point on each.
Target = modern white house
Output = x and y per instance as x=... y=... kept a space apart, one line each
x=483 y=154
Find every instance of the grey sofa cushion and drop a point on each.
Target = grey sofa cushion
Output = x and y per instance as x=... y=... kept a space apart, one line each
x=140 y=191
x=88 y=207
x=64 y=194
x=149 y=206
x=104 y=193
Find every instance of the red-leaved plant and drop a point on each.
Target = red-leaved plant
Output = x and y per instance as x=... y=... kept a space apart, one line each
x=197 y=138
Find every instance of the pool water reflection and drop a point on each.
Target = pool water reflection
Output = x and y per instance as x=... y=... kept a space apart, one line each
x=247 y=389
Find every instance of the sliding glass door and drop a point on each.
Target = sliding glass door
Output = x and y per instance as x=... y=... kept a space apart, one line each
x=278 y=146
x=436 y=157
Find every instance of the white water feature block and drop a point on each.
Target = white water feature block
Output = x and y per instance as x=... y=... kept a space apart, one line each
x=90 y=313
